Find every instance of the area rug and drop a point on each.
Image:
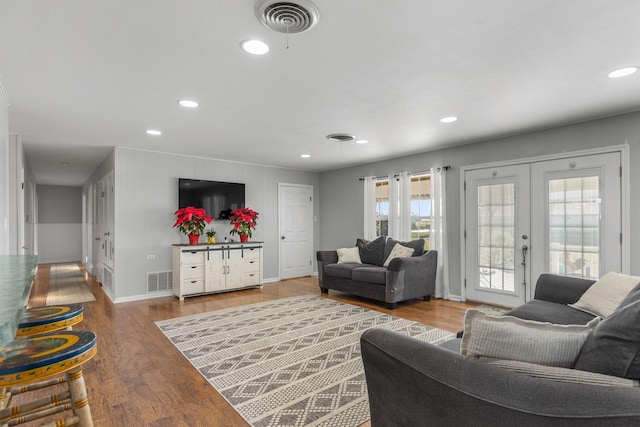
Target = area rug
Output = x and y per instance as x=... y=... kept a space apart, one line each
x=67 y=285
x=291 y=362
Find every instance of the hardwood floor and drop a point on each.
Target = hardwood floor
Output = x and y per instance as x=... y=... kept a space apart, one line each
x=139 y=379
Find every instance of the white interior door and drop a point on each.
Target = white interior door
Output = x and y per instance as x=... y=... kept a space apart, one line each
x=497 y=234
x=295 y=212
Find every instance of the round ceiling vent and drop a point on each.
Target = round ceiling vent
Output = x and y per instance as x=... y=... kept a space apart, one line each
x=287 y=16
x=341 y=137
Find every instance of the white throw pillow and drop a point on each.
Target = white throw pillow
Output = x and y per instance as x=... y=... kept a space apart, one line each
x=349 y=255
x=604 y=296
x=512 y=338
x=398 y=251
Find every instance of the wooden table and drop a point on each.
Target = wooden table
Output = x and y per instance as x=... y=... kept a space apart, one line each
x=16 y=277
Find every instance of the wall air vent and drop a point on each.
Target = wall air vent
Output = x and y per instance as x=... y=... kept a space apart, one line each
x=287 y=17
x=341 y=137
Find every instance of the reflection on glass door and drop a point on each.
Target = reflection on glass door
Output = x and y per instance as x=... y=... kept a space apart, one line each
x=496 y=228
x=574 y=226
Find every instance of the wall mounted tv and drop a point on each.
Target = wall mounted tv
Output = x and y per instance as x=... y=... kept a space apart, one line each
x=216 y=197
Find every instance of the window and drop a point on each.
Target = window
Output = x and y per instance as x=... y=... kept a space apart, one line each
x=382 y=207
x=421 y=211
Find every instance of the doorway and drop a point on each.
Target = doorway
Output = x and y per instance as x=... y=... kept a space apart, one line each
x=526 y=219
x=295 y=221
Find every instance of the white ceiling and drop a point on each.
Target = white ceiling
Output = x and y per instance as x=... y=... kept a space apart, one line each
x=86 y=75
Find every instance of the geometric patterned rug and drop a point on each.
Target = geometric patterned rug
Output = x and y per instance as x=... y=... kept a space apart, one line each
x=288 y=362
x=67 y=285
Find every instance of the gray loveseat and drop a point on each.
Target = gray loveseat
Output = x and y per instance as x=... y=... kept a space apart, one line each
x=403 y=279
x=414 y=383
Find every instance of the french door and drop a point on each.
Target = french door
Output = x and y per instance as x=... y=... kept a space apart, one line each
x=546 y=216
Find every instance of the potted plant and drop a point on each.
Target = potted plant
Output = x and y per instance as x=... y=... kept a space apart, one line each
x=243 y=221
x=211 y=235
x=192 y=221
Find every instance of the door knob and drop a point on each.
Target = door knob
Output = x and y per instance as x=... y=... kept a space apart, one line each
x=283 y=237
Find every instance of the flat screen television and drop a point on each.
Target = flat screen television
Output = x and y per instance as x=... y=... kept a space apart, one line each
x=216 y=197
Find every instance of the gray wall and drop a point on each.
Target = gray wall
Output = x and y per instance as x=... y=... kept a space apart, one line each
x=342 y=192
x=59 y=223
x=146 y=189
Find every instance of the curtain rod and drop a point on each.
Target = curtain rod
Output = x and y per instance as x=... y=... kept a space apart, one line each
x=445 y=168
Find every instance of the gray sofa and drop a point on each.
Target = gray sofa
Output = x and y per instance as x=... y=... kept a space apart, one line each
x=414 y=383
x=403 y=279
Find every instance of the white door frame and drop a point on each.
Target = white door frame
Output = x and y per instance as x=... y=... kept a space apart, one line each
x=309 y=222
x=625 y=194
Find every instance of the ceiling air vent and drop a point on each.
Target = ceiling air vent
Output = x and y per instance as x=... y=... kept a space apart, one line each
x=341 y=137
x=287 y=16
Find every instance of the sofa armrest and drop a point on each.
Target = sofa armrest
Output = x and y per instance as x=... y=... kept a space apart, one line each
x=412 y=277
x=561 y=289
x=411 y=383
x=324 y=258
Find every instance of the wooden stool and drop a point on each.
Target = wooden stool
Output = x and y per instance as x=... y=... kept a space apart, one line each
x=50 y=318
x=35 y=321
x=45 y=356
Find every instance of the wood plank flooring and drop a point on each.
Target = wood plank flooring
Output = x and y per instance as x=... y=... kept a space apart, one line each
x=139 y=379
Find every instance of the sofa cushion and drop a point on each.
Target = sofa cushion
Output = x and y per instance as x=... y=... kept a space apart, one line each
x=613 y=348
x=370 y=274
x=604 y=296
x=398 y=251
x=346 y=255
x=545 y=311
x=371 y=251
x=508 y=337
x=340 y=270
x=416 y=245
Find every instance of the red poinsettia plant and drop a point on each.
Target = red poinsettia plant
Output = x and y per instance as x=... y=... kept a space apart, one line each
x=243 y=221
x=191 y=220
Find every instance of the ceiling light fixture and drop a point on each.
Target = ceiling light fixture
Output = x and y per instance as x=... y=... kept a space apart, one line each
x=305 y=156
x=361 y=141
x=449 y=119
x=622 y=72
x=254 y=47
x=188 y=103
x=65 y=164
x=154 y=132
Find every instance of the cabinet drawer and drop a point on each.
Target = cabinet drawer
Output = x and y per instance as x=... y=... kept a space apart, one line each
x=192 y=286
x=192 y=258
x=251 y=266
x=193 y=271
x=251 y=278
x=252 y=253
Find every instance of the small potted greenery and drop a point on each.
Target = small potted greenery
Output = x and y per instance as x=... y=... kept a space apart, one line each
x=211 y=235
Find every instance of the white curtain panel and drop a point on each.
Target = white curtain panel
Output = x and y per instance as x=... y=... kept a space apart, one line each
x=369 y=208
x=403 y=232
x=439 y=230
x=394 y=196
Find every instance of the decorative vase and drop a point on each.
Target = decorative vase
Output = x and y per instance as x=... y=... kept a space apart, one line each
x=193 y=239
x=211 y=240
x=244 y=237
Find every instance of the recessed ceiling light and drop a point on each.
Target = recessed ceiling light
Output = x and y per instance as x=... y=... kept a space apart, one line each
x=449 y=119
x=154 y=132
x=622 y=72
x=188 y=103
x=254 y=47
x=361 y=141
x=305 y=156
x=65 y=164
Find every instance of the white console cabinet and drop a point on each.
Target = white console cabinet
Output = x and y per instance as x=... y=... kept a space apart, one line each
x=203 y=269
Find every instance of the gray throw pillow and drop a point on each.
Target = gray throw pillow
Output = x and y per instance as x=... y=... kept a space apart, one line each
x=417 y=246
x=613 y=347
x=371 y=251
x=632 y=296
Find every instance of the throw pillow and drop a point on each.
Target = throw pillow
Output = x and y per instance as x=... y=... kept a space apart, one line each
x=417 y=246
x=604 y=296
x=508 y=337
x=613 y=348
x=563 y=375
x=346 y=255
x=632 y=296
x=398 y=251
x=371 y=251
